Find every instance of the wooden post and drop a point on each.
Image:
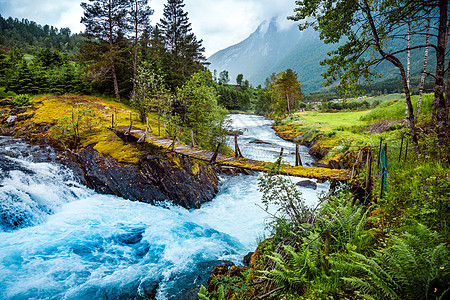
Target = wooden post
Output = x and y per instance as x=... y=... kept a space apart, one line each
x=279 y=158
x=237 y=151
x=355 y=165
x=129 y=128
x=401 y=146
x=379 y=151
x=214 y=157
x=368 y=173
x=112 y=121
x=298 y=159
x=192 y=138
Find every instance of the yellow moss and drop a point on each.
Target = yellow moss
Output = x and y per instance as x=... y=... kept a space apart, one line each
x=49 y=110
x=174 y=159
x=113 y=146
x=195 y=168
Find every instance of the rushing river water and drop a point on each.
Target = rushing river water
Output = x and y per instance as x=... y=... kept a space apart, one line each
x=61 y=240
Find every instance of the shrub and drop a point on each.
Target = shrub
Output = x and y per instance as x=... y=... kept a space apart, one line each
x=416 y=266
x=20 y=100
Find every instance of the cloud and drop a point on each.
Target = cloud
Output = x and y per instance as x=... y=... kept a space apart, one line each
x=220 y=23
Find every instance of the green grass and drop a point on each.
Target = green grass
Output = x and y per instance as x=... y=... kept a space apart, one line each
x=346 y=130
x=384 y=98
x=395 y=109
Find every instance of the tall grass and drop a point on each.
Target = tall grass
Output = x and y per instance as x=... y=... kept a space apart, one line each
x=395 y=109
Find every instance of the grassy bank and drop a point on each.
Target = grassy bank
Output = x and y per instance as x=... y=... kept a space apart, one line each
x=388 y=242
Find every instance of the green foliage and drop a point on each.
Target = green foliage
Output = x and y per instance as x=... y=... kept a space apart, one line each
x=184 y=51
x=286 y=91
x=21 y=100
x=234 y=97
x=5 y=94
x=415 y=266
x=149 y=91
x=197 y=109
x=69 y=128
x=218 y=295
x=395 y=109
x=32 y=37
x=283 y=194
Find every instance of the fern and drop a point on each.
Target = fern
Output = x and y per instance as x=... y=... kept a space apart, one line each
x=414 y=267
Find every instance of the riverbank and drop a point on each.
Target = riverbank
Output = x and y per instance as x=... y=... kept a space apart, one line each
x=89 y=133
x=338 y=250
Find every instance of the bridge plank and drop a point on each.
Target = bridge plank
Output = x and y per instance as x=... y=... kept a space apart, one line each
x=245 y=163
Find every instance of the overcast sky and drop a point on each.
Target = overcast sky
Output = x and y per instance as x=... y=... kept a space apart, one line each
x=220 y=23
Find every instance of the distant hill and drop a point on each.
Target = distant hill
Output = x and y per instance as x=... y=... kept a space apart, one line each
x=30 y=36
x=273 y=48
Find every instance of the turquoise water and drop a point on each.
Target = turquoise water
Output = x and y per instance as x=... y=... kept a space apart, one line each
x=61 y=240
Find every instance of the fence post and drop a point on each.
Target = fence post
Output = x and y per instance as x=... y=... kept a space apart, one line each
x=298 y=159
x=112 y=121
x=368 y=172
x=214 y=157
x=379 y=151
x=192 y=138
x=279 y=158
x=237 y=151
x=401 y=147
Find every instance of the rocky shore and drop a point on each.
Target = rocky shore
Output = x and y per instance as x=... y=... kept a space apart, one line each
x=155 y=176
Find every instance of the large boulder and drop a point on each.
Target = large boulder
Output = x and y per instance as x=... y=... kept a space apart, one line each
x=158 y=177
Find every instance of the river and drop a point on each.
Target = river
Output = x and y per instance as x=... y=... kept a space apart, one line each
x=61 y=240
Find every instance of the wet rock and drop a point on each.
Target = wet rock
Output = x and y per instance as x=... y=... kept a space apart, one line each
x=307 y=184
x=248 y=259
x=154 y=179
x=257 y=141
x=149 y=289
x=187 y=286
x=10 y=120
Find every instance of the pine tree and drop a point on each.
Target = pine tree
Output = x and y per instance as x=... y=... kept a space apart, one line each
x=186 y=52
x=105 y=20
x=139 y=22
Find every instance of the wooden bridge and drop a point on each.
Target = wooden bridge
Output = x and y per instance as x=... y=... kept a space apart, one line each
x=241 y=162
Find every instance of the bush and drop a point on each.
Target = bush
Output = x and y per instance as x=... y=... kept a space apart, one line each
x=21 y=100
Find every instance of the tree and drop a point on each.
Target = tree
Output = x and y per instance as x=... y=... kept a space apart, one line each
x=105 y=20
x=239 y=79
x=287 y=91
x=149 y=89
x=223 y=77
x=186 y=52
x=201 y=112
x=367 y=29
x=139 y=21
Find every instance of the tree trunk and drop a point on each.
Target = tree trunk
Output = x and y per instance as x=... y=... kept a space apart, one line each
x=425 y=63
x=439 y=100
x=135 y=46
x=408 y=69
x=113 y=67
x=396 y=62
